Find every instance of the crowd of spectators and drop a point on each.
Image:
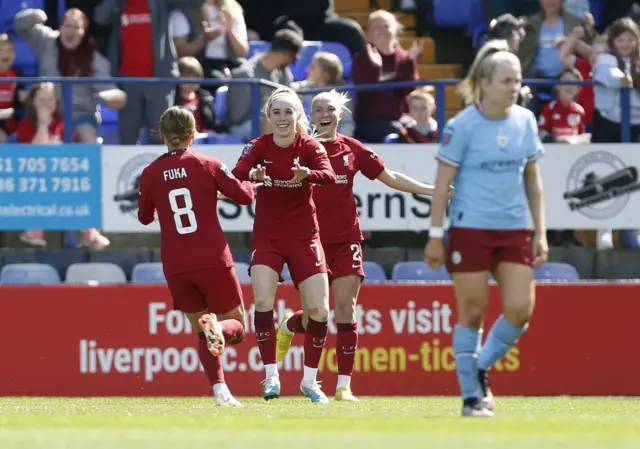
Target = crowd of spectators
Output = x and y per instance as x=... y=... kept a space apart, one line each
x=210 y=39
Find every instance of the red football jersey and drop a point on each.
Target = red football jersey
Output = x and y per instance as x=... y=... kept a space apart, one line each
x=586 y=97
x=560 y=120
x=182 y=186
x=27 y=130
x=336 y=203
x=285 y=210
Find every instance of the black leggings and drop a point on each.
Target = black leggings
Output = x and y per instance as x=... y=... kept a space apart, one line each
x=606 y=131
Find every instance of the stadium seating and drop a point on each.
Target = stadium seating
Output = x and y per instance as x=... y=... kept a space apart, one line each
x=451 y=14
x=418 y=271
x=9 y=9
x=555 y=271
x=124 y=258
x=148 y=273
x=373 y=272
x=477 y=23
x=242 y=270
x=60 y=259
x=220 y=103
x=256 y=47
x=221 y=139
x=26 y=59
x=95 y=273
x=301 y=66
x=29 y=274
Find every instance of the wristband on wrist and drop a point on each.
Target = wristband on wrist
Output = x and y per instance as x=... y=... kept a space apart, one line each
x=43 y=123
x=436 y=232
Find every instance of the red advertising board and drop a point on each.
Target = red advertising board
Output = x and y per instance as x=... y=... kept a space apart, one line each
x=126 y=341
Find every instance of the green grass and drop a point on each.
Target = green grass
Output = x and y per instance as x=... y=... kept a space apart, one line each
x=294 y=423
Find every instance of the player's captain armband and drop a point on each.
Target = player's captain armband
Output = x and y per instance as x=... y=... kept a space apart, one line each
x=247 y=149
x=226 y=171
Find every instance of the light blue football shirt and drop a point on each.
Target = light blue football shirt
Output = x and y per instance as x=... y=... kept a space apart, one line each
x=491 y=156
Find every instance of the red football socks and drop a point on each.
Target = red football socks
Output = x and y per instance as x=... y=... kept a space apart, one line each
x=294 y=324
x=314 y=343
x=265 y=327
x=346 y=345
x=233 y=331
x=212 y=365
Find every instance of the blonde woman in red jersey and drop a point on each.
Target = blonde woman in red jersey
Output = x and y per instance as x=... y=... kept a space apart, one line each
x=285 y=230
x=340 y=231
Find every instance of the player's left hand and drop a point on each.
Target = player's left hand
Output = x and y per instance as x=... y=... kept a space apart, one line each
x=540 y=249
x=299 y=172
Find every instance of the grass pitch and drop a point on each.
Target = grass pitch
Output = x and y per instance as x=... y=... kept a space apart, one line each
x=291 y=423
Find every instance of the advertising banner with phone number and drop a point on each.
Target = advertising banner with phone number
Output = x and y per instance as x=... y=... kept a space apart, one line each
x=127 y=341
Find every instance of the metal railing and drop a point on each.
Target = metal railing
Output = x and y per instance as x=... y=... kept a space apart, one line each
x=440 y=94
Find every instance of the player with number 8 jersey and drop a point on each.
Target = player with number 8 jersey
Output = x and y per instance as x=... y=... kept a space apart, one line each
x=182 y=187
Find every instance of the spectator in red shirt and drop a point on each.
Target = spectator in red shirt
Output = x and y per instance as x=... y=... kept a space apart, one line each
x=141 y=47
x=286 y=230
x=194 y=98
x=181 y=187
x=12 y=95
x=43 y=125
x=563 y=118
x=383 y=61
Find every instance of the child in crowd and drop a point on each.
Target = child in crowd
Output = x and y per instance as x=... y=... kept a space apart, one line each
x=194 y=98
x=12 y=95
x=418 y=126
x=563 y=119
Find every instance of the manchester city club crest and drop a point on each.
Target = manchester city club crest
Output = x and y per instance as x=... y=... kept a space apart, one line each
x=128 y=182
x=599 y=185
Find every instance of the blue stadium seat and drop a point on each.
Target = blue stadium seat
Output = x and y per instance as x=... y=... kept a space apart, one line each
x=148 y=273
x=451 y=14
x=26 y=59
x=110 y=133
x=9 y=9
x=286 y=274
x=391 y=138
x=99 y=273
x=107 y=114
x=221 y=139
x=17 y=255
x=373 y=272
x=124 y=258
x=341 y=52
x=61 y=259
x=257 y=47
x=242 y=270
x=220 y=103
x=477 y=22
x=62 y=8
x=418 y=271
x=556 y=271
x=29 y=274
x=241 y=255
x=301 y=66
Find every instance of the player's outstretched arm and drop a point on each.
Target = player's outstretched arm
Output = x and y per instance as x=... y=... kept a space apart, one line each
x=146 y=208
x=247 y=161
x=242 y=192
x=321 y=171
x=403 y=183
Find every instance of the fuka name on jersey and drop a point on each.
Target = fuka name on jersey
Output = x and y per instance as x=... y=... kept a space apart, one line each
x=175 y=173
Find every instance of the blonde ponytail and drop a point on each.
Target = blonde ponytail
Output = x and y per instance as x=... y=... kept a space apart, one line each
x=491 y=54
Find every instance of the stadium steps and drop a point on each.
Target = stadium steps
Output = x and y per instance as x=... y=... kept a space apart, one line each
x=428 y=68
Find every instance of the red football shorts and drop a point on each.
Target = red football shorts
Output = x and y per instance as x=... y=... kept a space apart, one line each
x=471 y=250
x=215 y=289
x=344 y=259
x=304 y=257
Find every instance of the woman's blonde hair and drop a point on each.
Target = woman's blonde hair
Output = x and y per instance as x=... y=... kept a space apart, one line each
x=302 y=122
x=339 y=99
x=231 y=6
x=423 y=93
x=492 y=54
x=386 y=15
x=177 y=125
x=331 y=65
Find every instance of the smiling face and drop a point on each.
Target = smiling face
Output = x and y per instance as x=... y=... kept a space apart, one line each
x=72 y=29
x=283 y=116
x=7 y=56
x=325 y=115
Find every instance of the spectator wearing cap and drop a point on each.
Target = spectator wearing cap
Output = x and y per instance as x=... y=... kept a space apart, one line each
x=271 y=66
